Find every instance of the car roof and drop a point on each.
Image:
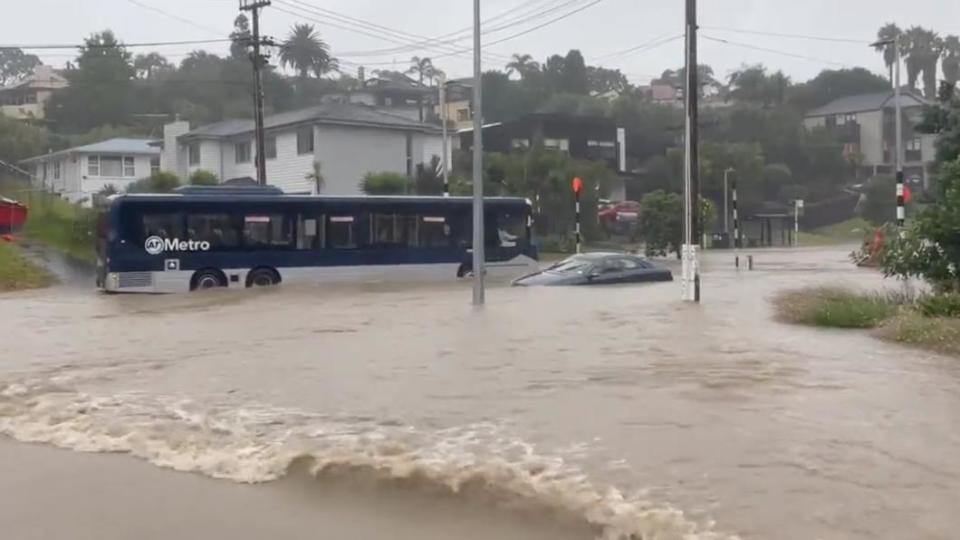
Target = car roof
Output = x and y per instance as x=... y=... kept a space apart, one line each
x=597 y=255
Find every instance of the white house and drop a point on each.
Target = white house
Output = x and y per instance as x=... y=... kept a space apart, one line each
x=78 y=173
x=25 y=99
x=347 y=141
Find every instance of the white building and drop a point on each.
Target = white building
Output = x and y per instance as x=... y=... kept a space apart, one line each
x=25 y=99
x=78 y=173
x=347 y=140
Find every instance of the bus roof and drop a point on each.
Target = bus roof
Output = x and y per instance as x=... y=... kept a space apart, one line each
x=261 y=197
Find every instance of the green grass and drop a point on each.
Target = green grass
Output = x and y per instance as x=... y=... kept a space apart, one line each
x=18 y=273
x=54 y=221
x=834 y=308
x=933 y=333
x=848 y=232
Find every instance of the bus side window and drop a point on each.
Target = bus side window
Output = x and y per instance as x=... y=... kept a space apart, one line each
x=220 y=230
x=310 y=232
x=167 y=225
x=341 y=232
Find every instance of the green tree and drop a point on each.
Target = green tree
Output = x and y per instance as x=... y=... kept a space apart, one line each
x=306 y=53
x=101 y=89
x=148 y=66
x=423 y=69
x=833 y=84
x=240 y=38
x=573 y=78
x=950 y=64
x=14 y=64
x=661 y=223
x=889 y=32
x=20 y=140
x=879 y=204
x=385 y=183
x=316 y=176
x=922 y=50
x=523 y=65
x=201 y=177
x=602 y=80
x=776 y=177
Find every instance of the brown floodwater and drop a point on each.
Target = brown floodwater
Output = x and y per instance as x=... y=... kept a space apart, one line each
x=549 y=413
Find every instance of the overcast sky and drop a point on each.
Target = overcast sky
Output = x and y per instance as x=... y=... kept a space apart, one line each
x=599 y=31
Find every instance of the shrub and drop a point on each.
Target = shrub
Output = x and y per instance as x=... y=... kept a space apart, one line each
x=203 y=178
x=385 y=183
x=158 y=182
x=835 y=308
x=940 y=305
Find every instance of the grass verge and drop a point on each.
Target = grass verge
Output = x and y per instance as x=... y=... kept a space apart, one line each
x=852 y=231
x=934 y=333
x=18 y=273
x=834 y=308
x=53 y=221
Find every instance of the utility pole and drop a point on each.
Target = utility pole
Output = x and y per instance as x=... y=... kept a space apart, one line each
x=478 y=230
x=254 y=6
x=443 y=121
x=692 y=232
x=726 y=200
x=898 y=127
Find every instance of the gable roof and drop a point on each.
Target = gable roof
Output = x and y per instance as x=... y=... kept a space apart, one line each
x=868 y=102
x=344 y=114
x=118 y=145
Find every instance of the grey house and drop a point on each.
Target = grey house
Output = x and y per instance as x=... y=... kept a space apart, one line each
x=347 y=140
x=865 y=125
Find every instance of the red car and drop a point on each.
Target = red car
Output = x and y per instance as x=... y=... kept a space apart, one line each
x=619 y=217
x=12 y=216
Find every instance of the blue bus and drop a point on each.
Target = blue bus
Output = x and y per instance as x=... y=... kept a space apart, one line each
x=202 y=238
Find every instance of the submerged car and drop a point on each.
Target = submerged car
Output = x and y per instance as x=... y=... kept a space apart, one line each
x=598 y=269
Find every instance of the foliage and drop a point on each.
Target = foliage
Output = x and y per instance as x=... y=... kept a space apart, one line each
x=935 y=333
x=150 y=65
x=930 y=246
x=19 y=140
x=423 y=69
x=306 y=53
x=14 y=64
x=199 y=177
x=240 y=38
x=158 y=182
x=833 y=84
x=940 y=305
x=101 y=89
x=752 y=84
x=523 y=65
x=661 y=222
x=385 y=183
x=429 y=179
x=316 y=176
x=19 y=273
x=879 y=202
x=834 y=308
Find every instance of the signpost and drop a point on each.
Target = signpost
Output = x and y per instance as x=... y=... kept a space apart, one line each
x=797 y=206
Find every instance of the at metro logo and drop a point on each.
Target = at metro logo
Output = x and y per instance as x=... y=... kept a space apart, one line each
x=156 y=245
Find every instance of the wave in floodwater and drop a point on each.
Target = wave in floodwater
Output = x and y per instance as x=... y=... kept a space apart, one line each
x=479 y=463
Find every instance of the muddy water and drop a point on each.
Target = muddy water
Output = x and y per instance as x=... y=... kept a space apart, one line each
x=615 y=411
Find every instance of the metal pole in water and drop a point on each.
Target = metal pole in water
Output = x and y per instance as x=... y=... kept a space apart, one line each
x=478 y=229
x=901 y=211
x=736 y=223
x=692 y=231
x=577 y=188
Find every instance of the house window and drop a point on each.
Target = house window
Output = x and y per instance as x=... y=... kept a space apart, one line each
x=93 y=165
x=154 y=165
x=914 y=150
x=193 y=151
x=913 y=144
x=111 y=166
x=463 y=115
x=843 y=119
x=270 y=148
x=557 y=144
x=56 y=170
x=305 y=140
x=242 y=152
x=129 y=166
x=520 y=143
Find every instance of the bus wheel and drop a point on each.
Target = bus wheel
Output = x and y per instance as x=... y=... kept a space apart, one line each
x=464 y=271
x=207 y=279
x=262 y=277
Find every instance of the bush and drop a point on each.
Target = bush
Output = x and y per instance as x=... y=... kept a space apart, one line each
x=834 y=308
x=203 y=178
x=660 y=226
x=940 y=305
x=934 y=333
x=879 y=204
x=385 y=183
x=158 y=182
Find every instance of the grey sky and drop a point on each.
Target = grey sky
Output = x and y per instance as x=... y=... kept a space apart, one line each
x=608 y=27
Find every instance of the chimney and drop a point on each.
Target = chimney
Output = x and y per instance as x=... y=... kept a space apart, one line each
x=169 y=159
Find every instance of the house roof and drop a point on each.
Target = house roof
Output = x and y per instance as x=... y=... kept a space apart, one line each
x=346 y=114
x=110 y=146
x=41 y=77
x=868 y=102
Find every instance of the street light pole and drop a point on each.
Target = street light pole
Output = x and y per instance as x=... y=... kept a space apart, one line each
x=726 y=200
x=478 y=229
x=443 y=121
x=898 y=127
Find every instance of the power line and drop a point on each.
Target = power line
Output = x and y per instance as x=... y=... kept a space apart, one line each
x=47 y=46
x=644 y=47
x=790 y=36
x=174 y=16
x=774 y=51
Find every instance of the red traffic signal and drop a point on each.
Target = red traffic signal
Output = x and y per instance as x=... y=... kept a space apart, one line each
x=577 y=185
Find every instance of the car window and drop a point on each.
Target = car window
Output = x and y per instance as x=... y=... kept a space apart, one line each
x=572 y=264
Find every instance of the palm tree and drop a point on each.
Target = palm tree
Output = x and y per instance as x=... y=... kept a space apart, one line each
x=523 y=65
x=305 y=52
x=888 y=33
x=148 y=65
x=951 y=59
x=423 y=68
x=922 y=49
